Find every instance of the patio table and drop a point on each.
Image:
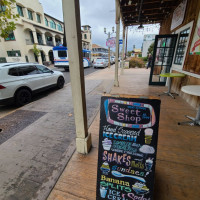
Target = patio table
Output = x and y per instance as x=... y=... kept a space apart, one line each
x=170 y=76
x=192 y=90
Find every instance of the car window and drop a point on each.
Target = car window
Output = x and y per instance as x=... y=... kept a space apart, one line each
x=43 y=69
x=23 y=71
x=13 y=72
x=100 y=60
x=27 y=70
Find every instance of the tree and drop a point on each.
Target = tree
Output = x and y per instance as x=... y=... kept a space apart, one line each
x=7 y=17
x=129 y=53
x=36 y=51
x=150 y=49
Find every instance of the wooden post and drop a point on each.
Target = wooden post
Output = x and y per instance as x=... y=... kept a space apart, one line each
x=126 y=41
x=71 y=11
x=117 y=21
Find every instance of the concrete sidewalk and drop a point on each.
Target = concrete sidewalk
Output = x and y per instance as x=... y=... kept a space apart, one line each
x=38 y=139
x=178 y=161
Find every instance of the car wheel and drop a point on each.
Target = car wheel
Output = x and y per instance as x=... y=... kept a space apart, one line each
x=60 y=82
x=23 y=97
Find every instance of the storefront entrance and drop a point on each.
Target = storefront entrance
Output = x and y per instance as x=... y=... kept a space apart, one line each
x=163 y=54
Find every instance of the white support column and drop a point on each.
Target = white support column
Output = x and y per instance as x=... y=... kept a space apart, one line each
x=123 y=48
x=61 y=40
x=35 y=37
x=117 y=21
x=71 y=11
x=54 y=41
x=44 y=39
x=40 y=59
x=25 y=12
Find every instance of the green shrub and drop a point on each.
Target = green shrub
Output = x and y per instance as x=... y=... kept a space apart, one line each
x=145 y=59
x=136 y=62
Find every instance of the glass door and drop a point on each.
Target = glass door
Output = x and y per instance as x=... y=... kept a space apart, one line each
x=162 y=58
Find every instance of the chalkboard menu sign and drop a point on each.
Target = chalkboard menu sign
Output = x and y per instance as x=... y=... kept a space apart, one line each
x=127 y=148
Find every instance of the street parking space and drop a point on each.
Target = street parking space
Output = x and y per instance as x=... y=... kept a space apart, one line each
x=4 y=110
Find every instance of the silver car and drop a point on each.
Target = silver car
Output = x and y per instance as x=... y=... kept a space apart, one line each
x=100 y=62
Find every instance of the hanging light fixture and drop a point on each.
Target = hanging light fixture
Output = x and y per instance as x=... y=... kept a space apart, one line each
x=141 y=26
x=139 y=16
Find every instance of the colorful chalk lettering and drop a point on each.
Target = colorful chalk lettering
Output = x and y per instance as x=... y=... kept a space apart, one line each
x=127 y=148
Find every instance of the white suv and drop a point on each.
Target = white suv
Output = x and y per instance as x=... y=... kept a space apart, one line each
x=20 y=81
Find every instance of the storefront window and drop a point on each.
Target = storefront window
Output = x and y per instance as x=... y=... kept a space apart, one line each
x=181 y=47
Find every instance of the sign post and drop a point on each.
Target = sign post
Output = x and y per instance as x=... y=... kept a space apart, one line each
x=127 y=147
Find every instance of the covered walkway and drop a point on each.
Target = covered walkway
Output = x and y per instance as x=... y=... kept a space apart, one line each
x=178 y=161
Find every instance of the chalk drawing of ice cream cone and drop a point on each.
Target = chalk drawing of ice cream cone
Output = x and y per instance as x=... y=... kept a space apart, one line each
x=148 y=135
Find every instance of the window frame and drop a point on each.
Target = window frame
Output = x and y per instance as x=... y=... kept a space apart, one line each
x=13 y=53
x=46 y=22
x=52 y=24
x=38 y=18
x=2 y=8
x=85 y=36
x=30 y=14
x=178 y=67
x=59 y=26
x=9 y=38
x=20 y=8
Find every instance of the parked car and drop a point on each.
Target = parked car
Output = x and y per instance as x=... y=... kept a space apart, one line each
x=112 y=59
x=107 y=61
x=20 y=81
x=100 y=62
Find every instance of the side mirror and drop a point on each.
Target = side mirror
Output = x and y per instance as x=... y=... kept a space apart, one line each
x=52 y=71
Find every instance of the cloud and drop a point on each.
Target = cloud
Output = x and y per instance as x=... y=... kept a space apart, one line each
x=98 y=14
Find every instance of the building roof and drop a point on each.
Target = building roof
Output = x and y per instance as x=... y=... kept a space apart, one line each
x=53 y=18
x=137 y=50
x=96 y=46
x=86 y=25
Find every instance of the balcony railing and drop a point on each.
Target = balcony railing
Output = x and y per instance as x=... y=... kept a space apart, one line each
x=50 y=43
x=29 y=42
x=40 y=42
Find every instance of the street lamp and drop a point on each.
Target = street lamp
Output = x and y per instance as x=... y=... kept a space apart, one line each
x=109 y=34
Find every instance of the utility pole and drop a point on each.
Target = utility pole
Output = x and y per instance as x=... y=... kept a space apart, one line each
x=109 y=34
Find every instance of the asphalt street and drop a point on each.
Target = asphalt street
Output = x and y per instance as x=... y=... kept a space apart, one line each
x=4 y=110
x=87 y=71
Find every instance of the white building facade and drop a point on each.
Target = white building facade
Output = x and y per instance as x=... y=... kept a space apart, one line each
x=147 y=41
x=86 y=37
x=33 y=27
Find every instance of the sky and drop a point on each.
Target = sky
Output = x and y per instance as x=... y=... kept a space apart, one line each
x=99 y=14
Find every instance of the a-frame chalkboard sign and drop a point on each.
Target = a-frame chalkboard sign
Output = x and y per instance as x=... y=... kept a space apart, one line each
x=127 y=147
